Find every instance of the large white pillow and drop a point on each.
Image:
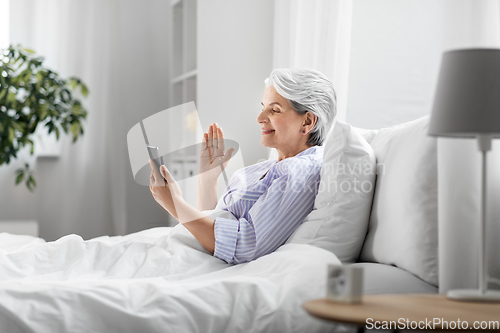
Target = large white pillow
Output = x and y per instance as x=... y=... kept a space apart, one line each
x=403 y=222
x=339 y=220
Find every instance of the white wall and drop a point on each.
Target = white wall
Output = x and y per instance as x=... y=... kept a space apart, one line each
x=235 y=48
x=142 y=92
x=396 y=50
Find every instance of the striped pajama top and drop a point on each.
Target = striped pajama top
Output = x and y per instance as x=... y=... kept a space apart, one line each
x=264 y=204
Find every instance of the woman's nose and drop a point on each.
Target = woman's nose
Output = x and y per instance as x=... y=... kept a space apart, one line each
x=262 y=117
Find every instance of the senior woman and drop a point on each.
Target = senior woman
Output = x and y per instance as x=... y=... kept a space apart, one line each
x=263 y=203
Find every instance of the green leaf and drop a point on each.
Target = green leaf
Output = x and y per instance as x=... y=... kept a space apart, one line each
x=85 y=91
x=12 y=134
x=57 y=132
x=20 y=177
x=43 y=112
x=27 y=75
x=18 y=126
x=1 y=127
x=31 y=181
x=28 y=185
x=73 y=83
x=3 y=93
x=11 y=97
x=28 y=50
x=33 y=126
x=76 y=108
x=75 y=129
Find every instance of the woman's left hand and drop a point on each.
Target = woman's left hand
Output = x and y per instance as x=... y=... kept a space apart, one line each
x=166 y=193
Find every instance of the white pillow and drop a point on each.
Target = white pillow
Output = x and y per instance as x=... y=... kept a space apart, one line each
x=403 y=222
x=367 y=134
x=339 y=220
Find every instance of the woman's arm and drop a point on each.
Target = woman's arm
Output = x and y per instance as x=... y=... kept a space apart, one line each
x=199 y=225
x=213 y=159
x=169 y=196
x=207 y=193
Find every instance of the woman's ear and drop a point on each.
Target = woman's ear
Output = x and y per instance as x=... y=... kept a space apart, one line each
x=309 y=121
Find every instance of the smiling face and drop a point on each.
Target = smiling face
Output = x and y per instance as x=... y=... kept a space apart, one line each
x=282 y=126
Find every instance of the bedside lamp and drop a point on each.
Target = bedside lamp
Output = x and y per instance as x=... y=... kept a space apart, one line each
x=467 y=104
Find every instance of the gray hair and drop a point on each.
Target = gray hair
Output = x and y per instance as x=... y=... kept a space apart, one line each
x=307 y=90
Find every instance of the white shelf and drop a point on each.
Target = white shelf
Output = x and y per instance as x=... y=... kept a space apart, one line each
x=189 y=31
x=182 y=55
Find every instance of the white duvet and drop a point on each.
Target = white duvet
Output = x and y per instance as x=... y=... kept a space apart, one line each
x=157 y=280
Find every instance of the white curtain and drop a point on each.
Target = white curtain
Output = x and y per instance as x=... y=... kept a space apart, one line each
x=315 y=34
x=118 y=48
x=73 y=193
x=4 y=23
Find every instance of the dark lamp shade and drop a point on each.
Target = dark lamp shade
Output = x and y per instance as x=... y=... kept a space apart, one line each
x=467 y=99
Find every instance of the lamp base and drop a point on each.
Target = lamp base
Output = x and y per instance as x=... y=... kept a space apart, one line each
x=474 y=295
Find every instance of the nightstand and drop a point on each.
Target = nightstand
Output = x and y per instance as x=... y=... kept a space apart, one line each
x=409 y=311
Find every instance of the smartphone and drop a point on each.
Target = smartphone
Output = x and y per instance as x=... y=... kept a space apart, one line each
x=154 y=154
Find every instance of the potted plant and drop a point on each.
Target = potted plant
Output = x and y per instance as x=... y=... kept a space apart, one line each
x=33 y=96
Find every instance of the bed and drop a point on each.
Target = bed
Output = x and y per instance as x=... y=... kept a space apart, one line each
x=135 y=283
x=162 y=280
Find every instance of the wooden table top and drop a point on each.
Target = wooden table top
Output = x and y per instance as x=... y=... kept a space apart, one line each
x=411 y=308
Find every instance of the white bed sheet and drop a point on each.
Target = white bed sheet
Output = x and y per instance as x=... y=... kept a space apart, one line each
x=157 y=280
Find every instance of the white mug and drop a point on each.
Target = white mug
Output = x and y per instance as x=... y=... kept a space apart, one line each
x=344 y=283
